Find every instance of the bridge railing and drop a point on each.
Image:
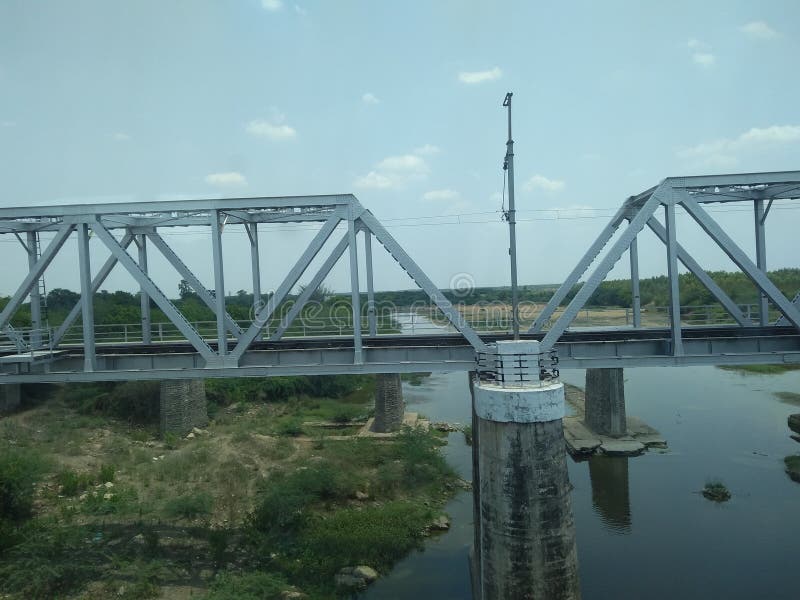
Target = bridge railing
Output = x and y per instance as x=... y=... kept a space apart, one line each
x=412 y=321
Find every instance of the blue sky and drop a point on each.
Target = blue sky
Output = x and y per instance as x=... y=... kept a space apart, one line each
x=399 y=103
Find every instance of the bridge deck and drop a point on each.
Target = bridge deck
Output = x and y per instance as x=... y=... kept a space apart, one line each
x=597 y=347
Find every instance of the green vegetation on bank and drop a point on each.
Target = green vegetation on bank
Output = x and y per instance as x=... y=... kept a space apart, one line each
x=94 y=505
x=774 y=369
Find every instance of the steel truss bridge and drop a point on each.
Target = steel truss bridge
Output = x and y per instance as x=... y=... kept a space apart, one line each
x=236 y=348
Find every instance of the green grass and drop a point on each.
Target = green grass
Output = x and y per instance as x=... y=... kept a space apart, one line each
x=250 y=586
x=761 y=369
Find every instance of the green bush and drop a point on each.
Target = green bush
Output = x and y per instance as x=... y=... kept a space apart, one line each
x=71 y=483
x=284 y=500
x=189 y=506
x=376 y=535
x=289 y=426
x=250 y=586
x=19 y=471
x=131 y=401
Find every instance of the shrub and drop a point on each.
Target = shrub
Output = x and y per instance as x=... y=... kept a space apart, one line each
x=189 y=506
x=289 y=426
x=284 y=500
x=250 y=586
x=19 y=470
x=376 y=536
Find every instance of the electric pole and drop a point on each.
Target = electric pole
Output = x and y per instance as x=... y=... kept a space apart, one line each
x=511 y=216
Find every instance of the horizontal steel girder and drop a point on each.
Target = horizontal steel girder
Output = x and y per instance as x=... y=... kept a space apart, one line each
x=435 y=353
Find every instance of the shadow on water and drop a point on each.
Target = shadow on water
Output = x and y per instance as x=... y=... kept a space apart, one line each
x=610 y=493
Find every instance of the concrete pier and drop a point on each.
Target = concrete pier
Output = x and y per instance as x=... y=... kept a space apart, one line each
x=605 y=402
x=389 y=404
x=10 y=397
x=526 y=532
x=183 y=405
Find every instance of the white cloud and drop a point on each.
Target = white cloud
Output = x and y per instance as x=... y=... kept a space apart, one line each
x=759 y=30
x=229 y=179
x=272 y=5
x=704 y=59
x=394 y=172
x=274 y=128
x=406 y=163
x=121 y=137
x=370 y=98
x=427 y=150
x=300 y=10
x=725 y=152
x=693 y=44
x=540 y=182
x=480 y=76
x=441 y=195
x=374 y=181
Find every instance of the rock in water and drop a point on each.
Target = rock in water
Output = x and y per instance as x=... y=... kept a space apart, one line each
x=441 y=523
x=366 y=573
x=794 y=422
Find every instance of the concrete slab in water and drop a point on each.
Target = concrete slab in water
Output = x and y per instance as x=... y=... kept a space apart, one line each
x=622 y=447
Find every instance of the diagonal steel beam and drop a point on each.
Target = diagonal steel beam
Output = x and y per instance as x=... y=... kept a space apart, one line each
x=193 y=281
x=587 y=259
x=796 y=301
x=600 y=272
x=421 y=279
x=286 y=285
x=313 y=285
x=35 y=272
x=168 y=308
x=98 y=280
x=704 y=278
x=738 y=256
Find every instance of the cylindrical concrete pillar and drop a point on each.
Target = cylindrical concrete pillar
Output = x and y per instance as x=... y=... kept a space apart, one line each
x=389 y=405
x=183 y=405
x=605 y=402
x=10 y=397
x=527 y=531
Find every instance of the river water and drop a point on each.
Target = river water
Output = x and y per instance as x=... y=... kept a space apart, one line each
x=643 y=530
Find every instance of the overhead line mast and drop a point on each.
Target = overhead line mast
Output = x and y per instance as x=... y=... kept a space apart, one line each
x=511 y=217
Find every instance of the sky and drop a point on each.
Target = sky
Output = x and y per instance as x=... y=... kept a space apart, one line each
x=400 y=104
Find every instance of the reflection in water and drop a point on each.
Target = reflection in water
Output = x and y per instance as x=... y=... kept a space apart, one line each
x=610 y=496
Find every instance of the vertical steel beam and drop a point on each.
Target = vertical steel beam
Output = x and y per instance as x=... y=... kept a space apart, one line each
x=672 y=274
x=219 y=283
x=255 y=265
x=98 y=280
x=193 y=281
x=87 y=315
x=354 y=290
x=738 y=256
x=691 y=264
x=633 y=251
x=373 y=325
x=761 y=258
x=286 y=285
x=35 y=295
x=35 y=273
x=141 y=243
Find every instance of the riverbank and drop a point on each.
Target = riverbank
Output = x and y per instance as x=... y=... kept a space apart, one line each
x=259 y=504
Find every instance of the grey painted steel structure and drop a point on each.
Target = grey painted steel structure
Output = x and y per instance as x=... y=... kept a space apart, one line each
x=688 y=193
x=229 y=351
x=234 y=351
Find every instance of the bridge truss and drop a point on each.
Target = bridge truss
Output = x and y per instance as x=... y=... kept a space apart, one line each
x=246 y=348
x=640 y=212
